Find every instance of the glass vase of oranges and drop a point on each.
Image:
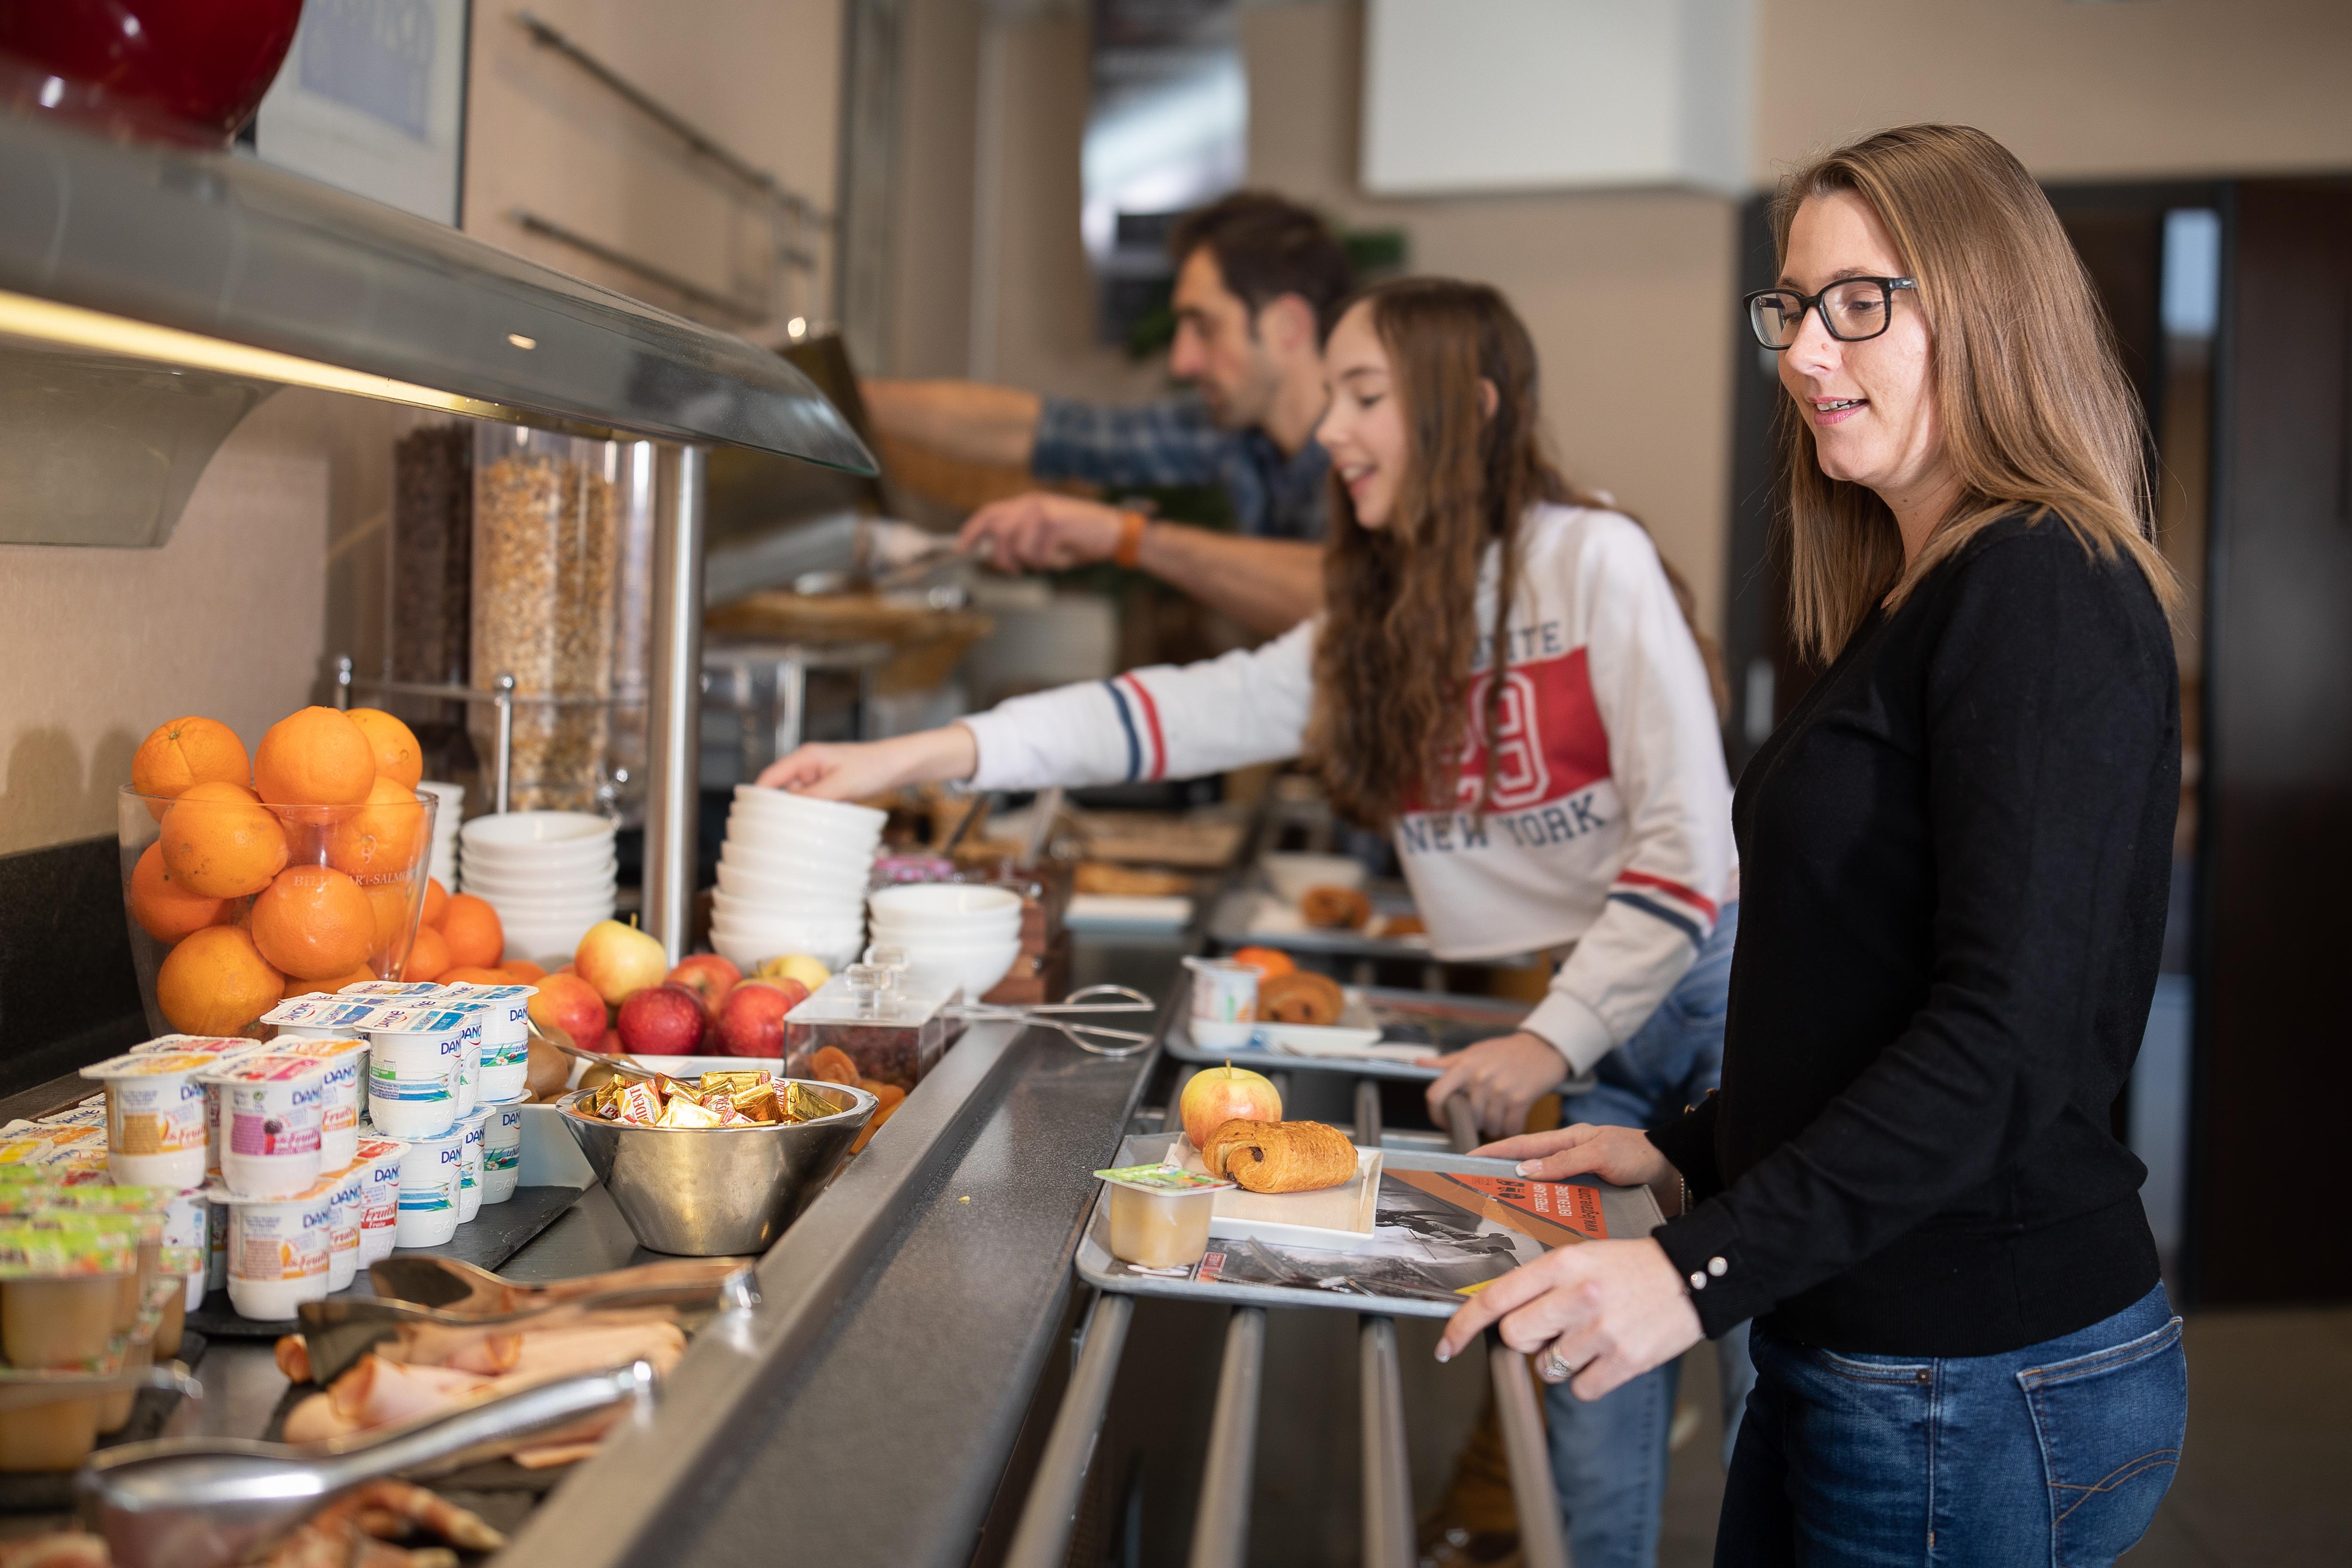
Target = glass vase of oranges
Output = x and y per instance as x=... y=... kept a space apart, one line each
x=245 y=881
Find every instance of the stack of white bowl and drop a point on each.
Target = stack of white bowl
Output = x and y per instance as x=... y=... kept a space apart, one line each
x=548 y=873
x=447 y=818
x=792 y=877
x=955 y=935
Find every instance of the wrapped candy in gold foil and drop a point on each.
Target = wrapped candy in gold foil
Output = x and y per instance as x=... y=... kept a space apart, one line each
x=801 y=1103
x=759 y=1104
x=683 y=1113
x=734 y=1081
x=640 y=1103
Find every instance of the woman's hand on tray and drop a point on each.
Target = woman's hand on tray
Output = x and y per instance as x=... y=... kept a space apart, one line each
x=1595 y=1315
x=1621 y=1156
x=1501 y=1078
x=824 y=770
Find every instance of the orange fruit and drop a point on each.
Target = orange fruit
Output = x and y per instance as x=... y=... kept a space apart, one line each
x=389 y=901
x=329 y=986
x=218 y=842
x=217 y=982
x=436 y=899
x=313 y=922
x=164 y=910
x=184 y=752
x=315 y=757
x=1268 y=962
x=380 y=837
x=428 y=956
x=397 y=756
x=522 y=970
x=471 y=928
x=474 y=974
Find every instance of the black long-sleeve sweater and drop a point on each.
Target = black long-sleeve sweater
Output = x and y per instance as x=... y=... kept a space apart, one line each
x=1954 y=860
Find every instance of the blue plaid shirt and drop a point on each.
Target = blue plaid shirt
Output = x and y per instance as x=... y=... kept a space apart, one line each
x=1176 y=443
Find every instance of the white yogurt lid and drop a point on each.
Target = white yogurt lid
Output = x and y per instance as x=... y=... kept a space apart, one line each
x=203 y=1045
x=159 y=1063
x=324 y=1050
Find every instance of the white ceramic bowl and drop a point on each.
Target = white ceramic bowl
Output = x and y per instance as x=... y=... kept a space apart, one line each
x=538 y=884
x=529 y=913
x=838 y=815
x=537 y=860
x=975 y=969
x=746 y=882
x=1293 y=874
x=773 y=838
x=942 y=898
x=789 y=930
x=514 y=829
x=837 y=871
x=916 y=934
x=837 y=912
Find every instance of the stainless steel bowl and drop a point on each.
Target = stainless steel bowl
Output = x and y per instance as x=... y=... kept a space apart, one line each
x=715 y=1192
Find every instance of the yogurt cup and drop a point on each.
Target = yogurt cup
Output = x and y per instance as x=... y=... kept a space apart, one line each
x=1224 y=992
x=156 y=1117
x=506 y=1037
x=345 y=1060
x=469 y=1184
x=469 y=1070
x=276 y=1250
x=91 y=1112
x=271 y=1107
x=321 y=1017
x=431 y=1170
x=187 y=1223
x=502 y=1149
x=346 y=1203
x=416 y=1060
x=379 y=1168
x=219 y=1047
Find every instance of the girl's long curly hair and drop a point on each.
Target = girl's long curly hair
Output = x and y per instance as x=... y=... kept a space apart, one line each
x=1399 y=647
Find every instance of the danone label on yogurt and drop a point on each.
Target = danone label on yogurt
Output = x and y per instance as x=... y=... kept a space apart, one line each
x=283 y=1241
x=439 y=1188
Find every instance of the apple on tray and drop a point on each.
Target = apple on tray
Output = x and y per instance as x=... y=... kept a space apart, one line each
x=661 y=1021
x=706 y=975
x=1221 y=1094
x=618 y=960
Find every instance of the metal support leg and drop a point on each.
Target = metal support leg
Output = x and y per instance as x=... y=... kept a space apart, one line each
x=1043 y=1537
x=1542 y=1542
x=1461 y=1125
x=674 y=703
x=1221 y=1523
x=1367 y=1113
x=1387 y=1483
x=502 y=758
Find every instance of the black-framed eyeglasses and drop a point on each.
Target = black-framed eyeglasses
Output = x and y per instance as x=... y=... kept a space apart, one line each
x=1852 y=309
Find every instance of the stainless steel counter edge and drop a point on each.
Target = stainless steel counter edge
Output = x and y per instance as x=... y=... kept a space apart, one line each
x=656 y=1488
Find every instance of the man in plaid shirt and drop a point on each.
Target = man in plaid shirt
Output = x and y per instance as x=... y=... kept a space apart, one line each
x=1258 y=281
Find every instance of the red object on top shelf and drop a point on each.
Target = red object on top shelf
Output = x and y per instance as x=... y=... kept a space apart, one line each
x=200 y=65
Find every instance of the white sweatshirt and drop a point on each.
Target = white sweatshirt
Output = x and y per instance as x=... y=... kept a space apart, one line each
x=1610 y=823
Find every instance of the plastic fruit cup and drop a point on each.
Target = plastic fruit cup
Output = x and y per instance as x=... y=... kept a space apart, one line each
x=386 y=848
x=1159 y=1229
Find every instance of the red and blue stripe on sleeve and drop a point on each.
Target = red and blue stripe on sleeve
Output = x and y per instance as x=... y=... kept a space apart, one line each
x=1685 y=909
x=1138 y=716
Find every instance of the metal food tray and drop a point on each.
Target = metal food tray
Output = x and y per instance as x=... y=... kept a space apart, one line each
x=1629 y=1211
x=1483 y=1011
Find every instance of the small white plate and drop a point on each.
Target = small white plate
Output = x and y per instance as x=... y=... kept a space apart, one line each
x=1331 y=1219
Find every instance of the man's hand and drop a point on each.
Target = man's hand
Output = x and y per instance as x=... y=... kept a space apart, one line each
x=1042 y=531
x=1608 y=1311
x=1502 y=1077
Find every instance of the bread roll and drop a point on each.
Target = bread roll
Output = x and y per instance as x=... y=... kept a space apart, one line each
x=1280 y=1156
x=1335 y=909
x=1301 y=997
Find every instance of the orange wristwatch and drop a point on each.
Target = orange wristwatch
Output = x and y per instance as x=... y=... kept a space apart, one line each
x=1130 y=552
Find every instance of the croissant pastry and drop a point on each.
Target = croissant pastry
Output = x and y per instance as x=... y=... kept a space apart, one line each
x=1302 y=997
x=1335 y=909
x=1280 y=1156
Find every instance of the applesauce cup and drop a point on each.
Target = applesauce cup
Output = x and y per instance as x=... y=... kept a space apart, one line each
x=1160 y=1213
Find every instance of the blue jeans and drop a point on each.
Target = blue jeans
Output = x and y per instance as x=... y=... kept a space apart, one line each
x=2056 y=1454
x=1609 y=1456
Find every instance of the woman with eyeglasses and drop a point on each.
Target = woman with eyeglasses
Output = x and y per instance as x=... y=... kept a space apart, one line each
x=1504 y=679
x=1955 y=855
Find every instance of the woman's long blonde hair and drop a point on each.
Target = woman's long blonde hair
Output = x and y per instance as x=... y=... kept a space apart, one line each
x=2035 y=411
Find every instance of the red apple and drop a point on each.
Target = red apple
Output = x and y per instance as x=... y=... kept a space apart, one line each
x=1228 y=1094
x=751 y=1018
x=707 y=976
x=661 y=1021
x=568 y=1003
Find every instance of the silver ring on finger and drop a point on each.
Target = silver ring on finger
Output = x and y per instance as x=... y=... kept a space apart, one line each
x=1552 y=1366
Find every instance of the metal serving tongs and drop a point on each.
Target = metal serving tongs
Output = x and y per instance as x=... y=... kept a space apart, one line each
x=205 y=1502
x=446 y=1294
x=1051 y=1015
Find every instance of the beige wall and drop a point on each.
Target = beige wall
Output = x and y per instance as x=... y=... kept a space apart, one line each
x=761 y=77
x=228 y=620
x=2171 y=87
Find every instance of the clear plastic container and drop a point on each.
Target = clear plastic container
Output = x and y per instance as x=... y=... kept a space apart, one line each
x=1160 y=1215
x=546 y=569
x=890 y=1035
